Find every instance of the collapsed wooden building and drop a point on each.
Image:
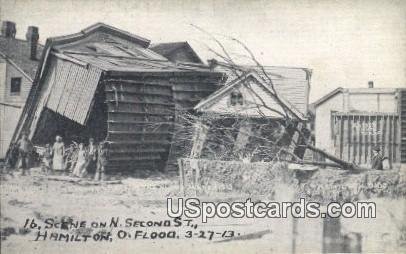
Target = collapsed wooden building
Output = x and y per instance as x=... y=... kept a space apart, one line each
x=254 y=116
x=105 y=83
x=112 y=85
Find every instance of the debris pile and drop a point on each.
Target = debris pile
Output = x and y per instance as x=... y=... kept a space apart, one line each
x=263 y=178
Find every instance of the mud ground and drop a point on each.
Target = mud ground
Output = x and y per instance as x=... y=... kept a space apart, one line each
x=38 y=196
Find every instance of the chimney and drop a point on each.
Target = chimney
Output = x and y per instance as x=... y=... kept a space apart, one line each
x=370 y=84
x=32 y=38
x=8 y=29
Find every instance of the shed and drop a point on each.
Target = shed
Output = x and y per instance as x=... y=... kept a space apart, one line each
x=105 y=83
x=350 y=122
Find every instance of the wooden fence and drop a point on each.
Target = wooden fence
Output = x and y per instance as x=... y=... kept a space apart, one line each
x=356 y=134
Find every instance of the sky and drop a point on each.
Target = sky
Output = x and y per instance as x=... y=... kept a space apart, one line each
x=345 y=43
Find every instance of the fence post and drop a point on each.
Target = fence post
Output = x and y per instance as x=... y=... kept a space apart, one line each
x=181 y=176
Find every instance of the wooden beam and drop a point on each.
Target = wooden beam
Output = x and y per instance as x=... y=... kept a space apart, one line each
x=243 y=136
x=199 y=137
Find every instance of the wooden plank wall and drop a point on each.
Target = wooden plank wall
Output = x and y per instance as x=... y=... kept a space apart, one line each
x=140 y=120
x=144 y=126
x=355 y=136
x=187 y=92
x=402 y=109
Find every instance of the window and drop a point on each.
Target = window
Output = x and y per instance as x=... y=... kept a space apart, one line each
x=236 y=99
x=15 y=87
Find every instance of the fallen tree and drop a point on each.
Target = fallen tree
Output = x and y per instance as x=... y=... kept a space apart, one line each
x=286 y=112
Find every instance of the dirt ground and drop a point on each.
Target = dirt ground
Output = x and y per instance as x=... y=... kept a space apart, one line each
x=35 y=196
x=40 y=197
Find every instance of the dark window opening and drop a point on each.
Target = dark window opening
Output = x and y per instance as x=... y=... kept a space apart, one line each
x=15 y=87
x=236 y=98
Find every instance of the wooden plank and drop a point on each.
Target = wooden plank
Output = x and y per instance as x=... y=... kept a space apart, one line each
x=334 y=131
x=69 y=82
x=139 y=89
x=391 y=140
x=154 y=82
x=395 y=139
x=135 y=152
x=199 y=138
x=135 y=102
x=345 y=138
x=355 y=139
x=132 y=142
x=141 y=146
x=244 y=133
x=135 y=128
x=161 y=107
x=129 y=119
x=135 y=158
x=384 y=135
x=378 y=131
x=341 y=136
x=182 y=176
x=360 y=140
x=195 y=97
x=381 y=127
x=140 y=98
x=350 y=119
x=372 y=133
x=130 y=112
x=367 y=139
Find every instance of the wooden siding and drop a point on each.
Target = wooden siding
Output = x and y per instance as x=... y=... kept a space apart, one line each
x=142 y=113
x=355 y=136
x=292 y=83
x=20 y=98
x=372 y=100
x=257 y=102
x=3 y=69
x=9 y=115
x=402 y=109
x=72 y=90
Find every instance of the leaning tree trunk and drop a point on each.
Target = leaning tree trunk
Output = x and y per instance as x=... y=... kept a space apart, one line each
x=344 y=164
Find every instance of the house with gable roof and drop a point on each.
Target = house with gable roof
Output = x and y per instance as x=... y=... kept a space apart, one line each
x=19 y=60
x=251 y=110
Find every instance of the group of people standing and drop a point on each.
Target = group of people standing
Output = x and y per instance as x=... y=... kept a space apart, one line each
x=90 y=158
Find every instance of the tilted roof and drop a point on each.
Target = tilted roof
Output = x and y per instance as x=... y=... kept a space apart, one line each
x=168 y=48
x=19 y=52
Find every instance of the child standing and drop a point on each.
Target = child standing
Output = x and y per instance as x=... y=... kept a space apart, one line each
x=92 y=156
x=58 y=152
x=81 y=161
x=101 y=161
x=47 y=158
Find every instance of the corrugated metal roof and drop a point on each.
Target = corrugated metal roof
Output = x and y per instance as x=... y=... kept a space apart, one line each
x=72 y=89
